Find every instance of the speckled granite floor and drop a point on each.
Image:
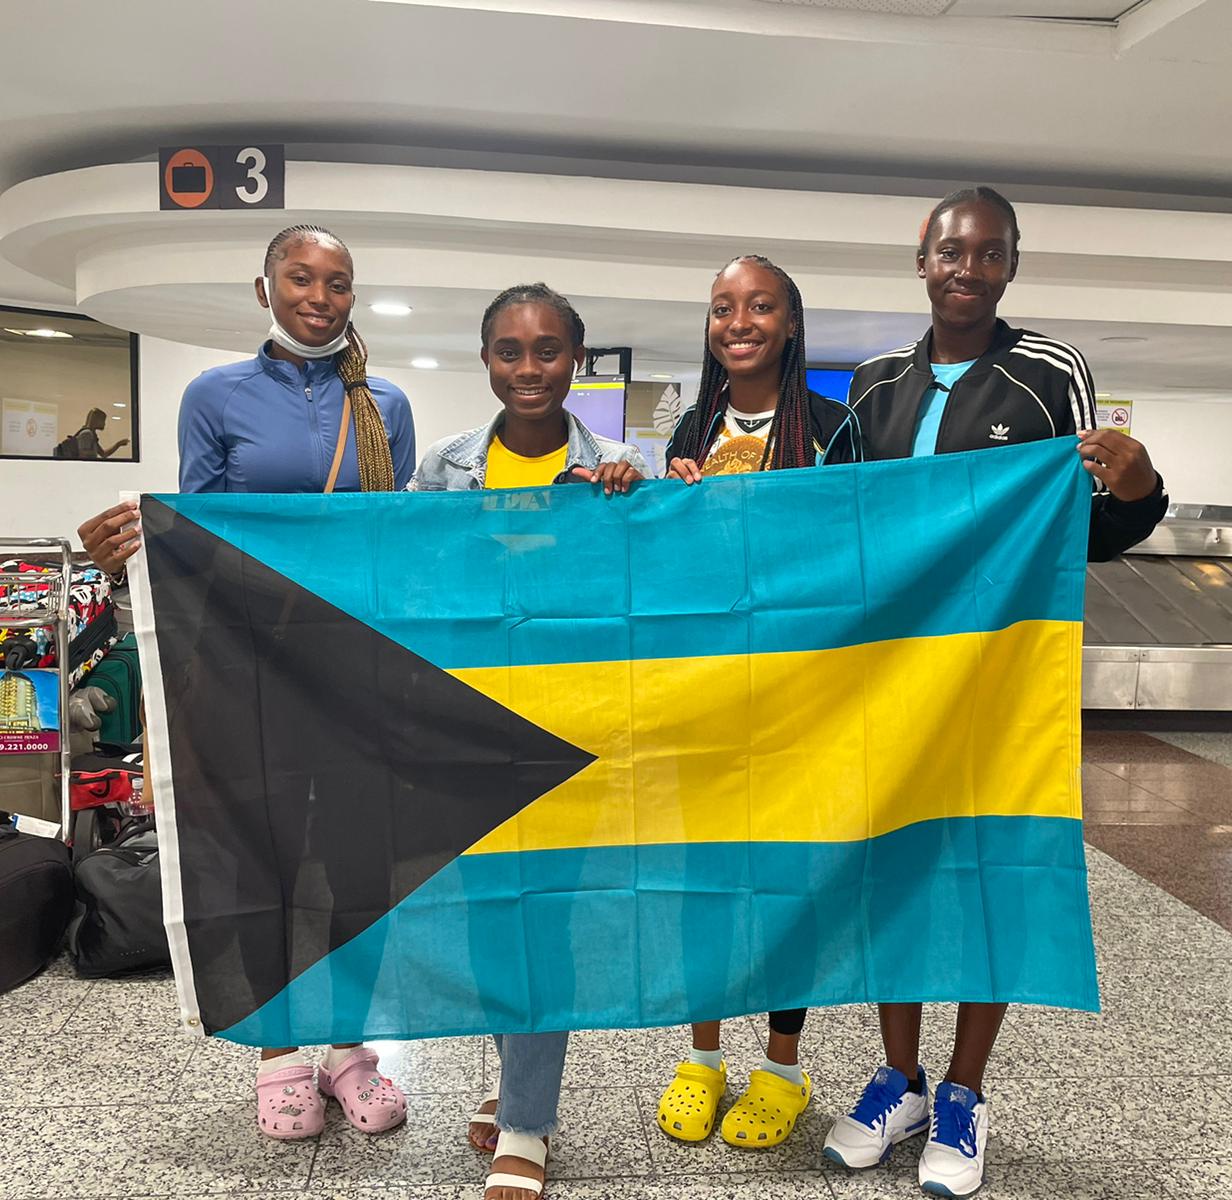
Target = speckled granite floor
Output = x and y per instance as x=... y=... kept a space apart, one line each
x=100 y=1098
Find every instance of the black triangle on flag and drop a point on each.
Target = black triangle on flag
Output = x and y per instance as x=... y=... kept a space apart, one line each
x=322 y=772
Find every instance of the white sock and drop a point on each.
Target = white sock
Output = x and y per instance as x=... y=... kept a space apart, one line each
x=707 y=1058
x=292 y=1058
x=791 y=1073
x=335 y=1056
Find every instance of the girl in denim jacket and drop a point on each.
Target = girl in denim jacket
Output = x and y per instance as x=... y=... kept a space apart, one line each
x=533 y=340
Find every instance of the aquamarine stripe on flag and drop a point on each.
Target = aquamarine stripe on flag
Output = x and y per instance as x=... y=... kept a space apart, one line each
x=936 y=911
x=866 y=553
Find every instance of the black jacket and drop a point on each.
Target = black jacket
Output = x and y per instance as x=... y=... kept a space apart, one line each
x=829 y=419
x=1024 y=388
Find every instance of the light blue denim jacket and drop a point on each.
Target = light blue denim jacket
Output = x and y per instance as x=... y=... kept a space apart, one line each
x=460 y=462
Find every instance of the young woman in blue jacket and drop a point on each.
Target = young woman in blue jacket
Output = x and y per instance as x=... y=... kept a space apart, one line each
x=302 y=416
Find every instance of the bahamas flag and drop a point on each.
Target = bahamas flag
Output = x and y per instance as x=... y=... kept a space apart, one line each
x=514 y=761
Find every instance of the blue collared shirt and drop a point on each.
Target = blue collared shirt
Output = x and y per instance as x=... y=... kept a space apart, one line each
x=266 y=425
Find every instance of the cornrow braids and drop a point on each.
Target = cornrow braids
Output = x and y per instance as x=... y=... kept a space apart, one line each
x=299 y=233
x=376 y=464
x=790 y=441
x=972 y=195
x=534 y=293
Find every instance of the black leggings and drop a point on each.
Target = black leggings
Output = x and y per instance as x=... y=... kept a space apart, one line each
x=789 y=1022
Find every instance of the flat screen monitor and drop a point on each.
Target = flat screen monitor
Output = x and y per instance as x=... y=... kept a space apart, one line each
x=598 y=401
x=834 y=382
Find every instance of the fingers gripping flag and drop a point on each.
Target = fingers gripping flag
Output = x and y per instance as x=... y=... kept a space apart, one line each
x=466 y=762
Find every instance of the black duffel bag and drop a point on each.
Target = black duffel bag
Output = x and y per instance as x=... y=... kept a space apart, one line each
x=36 y=901
x=118 y=925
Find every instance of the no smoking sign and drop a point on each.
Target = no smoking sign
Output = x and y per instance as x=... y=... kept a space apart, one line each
x=1115 y=414
x=221 y=177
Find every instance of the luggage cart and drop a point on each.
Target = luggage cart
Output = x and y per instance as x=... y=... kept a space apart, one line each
x=51 y=612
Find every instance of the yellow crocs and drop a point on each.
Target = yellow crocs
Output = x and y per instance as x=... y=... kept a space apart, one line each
x=686 y=1111
x=767 y=1112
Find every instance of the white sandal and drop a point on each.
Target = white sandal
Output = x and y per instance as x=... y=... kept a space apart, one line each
x=483 y=1118
x=523 y=1146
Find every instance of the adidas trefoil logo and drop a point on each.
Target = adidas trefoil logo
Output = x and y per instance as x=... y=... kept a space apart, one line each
x=1000 y=433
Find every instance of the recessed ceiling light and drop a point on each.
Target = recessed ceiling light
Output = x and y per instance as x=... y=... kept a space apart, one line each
x=43 y=333
x=117 y=404
x=1123 y=340
x=390 y=308
x=425 y=364
x=663 y=377
x=115 y=418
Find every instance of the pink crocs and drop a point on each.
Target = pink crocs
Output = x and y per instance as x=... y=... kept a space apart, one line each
x=289 y=1105
x=371 y=1102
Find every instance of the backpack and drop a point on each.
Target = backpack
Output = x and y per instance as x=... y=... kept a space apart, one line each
x=70 y=447
x=118 y=924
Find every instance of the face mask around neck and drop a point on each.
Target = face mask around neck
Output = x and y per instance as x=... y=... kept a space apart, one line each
x=282 y=338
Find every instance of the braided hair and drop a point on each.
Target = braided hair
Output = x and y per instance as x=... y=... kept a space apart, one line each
x=971 y=195
x=376 y=465
x=790 y=441
x=534 y=293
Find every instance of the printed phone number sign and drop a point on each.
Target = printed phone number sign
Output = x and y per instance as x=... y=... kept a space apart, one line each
x=29 y=711
x=221 y=177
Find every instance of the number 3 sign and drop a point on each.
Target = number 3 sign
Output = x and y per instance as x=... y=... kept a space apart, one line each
x=221 y=177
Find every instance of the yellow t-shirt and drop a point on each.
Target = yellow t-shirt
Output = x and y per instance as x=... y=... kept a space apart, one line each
x=507 y=470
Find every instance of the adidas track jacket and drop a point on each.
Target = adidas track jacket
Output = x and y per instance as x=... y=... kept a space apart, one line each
x=1024 y=388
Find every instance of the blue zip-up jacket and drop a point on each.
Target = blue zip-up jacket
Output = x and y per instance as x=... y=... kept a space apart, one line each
x=266 y=425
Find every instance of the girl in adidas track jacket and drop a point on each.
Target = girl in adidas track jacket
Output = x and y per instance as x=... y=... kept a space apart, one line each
x=973 y=382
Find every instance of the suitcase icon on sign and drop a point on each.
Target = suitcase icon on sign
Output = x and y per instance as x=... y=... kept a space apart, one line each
x=188 y=179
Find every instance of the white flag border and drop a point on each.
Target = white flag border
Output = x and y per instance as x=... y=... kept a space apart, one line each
x=157 y=764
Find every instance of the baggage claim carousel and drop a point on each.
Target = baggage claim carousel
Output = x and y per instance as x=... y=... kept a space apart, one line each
x=1158 y=633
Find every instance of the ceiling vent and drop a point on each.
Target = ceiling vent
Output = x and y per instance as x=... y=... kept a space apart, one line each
x=902 y=8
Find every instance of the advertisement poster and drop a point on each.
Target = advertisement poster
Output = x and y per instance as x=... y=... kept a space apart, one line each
x=29 y=711
x=1114 y=414
x=28 y=427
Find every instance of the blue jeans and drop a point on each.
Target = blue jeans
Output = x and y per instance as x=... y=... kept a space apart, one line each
x=531 y=1067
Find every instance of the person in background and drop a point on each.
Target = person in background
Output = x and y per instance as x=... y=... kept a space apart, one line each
x=89 y=444
x=302 y=416
x=972 y=382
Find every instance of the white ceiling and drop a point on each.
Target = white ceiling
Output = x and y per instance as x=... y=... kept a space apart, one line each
x=816 y=98
x=1072 y=10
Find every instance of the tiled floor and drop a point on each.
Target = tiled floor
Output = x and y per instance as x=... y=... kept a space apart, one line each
x=1162 y=805
x=99 y=1099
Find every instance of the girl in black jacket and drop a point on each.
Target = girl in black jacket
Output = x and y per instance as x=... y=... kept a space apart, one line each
x=973 y=382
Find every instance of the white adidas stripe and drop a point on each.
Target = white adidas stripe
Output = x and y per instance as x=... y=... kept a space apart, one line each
x=1078 y=392
x=1084 y=413
x=901 y=352
x=881 y=383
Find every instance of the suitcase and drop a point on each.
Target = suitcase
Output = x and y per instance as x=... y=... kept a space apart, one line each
x=36 y=902
x=119 y=675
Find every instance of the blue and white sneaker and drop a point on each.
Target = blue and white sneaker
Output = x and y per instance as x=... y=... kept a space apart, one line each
x=887 y=1113
x=953 y=1161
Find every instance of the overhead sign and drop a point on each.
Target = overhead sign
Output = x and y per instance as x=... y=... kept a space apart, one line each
x=1114 y=414
x=221 y=177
